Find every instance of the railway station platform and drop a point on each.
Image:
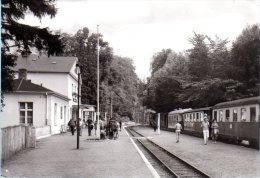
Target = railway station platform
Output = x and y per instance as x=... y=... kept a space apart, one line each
x=57 y=156
x=216 y=159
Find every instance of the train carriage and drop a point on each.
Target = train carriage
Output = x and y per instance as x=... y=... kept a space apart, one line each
x=193 y=119
x=164 y=120
x=150 y=116
x=239 y=120
x=176 y=116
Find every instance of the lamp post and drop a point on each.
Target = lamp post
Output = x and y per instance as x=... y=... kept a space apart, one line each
x=78 y=72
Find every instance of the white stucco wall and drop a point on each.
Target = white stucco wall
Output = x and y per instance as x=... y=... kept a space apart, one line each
x=72 y=81
x=56 y=127
x=11 y=115
x=54 y=81
x=58 y=82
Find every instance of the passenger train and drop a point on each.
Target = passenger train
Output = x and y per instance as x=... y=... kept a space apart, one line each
x=238 y=120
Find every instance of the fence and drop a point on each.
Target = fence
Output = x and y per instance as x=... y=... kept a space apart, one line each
x=16 y=138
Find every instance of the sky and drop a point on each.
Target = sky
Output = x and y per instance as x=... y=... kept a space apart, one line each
x=139 y=28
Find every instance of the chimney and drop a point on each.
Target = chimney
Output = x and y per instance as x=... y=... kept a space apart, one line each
x=22 y=74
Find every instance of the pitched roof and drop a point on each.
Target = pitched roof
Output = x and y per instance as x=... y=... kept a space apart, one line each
x=35 y=63
x=22 y=85
x=27 y=85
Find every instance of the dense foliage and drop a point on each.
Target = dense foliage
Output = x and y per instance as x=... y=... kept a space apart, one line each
x=118 y=81
x=206 y=74
x=20 y=38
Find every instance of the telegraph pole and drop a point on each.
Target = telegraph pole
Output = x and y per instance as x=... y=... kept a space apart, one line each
x=98 y=113
x=78 y=70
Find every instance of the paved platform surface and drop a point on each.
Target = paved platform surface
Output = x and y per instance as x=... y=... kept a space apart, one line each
x=218 y=160
x=56 y=156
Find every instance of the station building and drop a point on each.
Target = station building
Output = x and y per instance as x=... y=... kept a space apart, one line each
x=45 y=94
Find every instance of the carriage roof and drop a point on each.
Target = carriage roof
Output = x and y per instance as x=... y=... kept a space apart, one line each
x=198 y=109
x=180 y=111
x=240 y=102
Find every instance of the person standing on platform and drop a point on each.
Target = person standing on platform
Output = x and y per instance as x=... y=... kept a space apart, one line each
x=95 y=127
x=205 y=127
x=215 y=130
x=90 y=126
x=72 y=124
x=178 y=129
x=120 y=124
x=154 y=126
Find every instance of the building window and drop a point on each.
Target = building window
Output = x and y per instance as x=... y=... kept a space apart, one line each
x=243 y=114
x=26 y=113
x=220 y=115
x=65 y=116
x=55 y=114
x=227 y=115
x=252 y=114
x=61 y=112
x=234 y=115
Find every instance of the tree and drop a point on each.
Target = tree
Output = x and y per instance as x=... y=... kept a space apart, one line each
x=122 y=86
x=210 y=92
x=245 y=56
x=219 y=58
x=199 y=63
x=159 y=60
x=19 y=38
x=83 y=44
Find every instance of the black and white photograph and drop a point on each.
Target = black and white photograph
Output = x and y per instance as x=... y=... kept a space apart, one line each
x=130 y=88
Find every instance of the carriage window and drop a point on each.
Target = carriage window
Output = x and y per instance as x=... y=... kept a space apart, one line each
x=215 y=115
x=194 y=117
x=198 y=119
x=220 y=115
x=252 y=114
x=175 y=118
x=227 y=115
x=234 y=115
x=243 y=114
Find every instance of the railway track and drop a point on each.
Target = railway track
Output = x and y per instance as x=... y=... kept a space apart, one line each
x=171 y=163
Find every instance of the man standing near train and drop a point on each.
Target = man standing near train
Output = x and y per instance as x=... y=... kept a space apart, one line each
x=205 y=127
x=178 y=129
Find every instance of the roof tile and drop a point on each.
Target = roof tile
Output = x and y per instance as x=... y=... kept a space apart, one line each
x=35 y=63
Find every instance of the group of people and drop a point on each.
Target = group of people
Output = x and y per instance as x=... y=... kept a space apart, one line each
x=112 y=127
x=73 y=125
x=205 y=128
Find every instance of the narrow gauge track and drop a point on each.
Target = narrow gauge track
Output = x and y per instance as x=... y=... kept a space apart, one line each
x=172 y=163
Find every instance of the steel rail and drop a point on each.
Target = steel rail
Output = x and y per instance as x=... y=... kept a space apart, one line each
x=173 y=156
x=159 y=160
